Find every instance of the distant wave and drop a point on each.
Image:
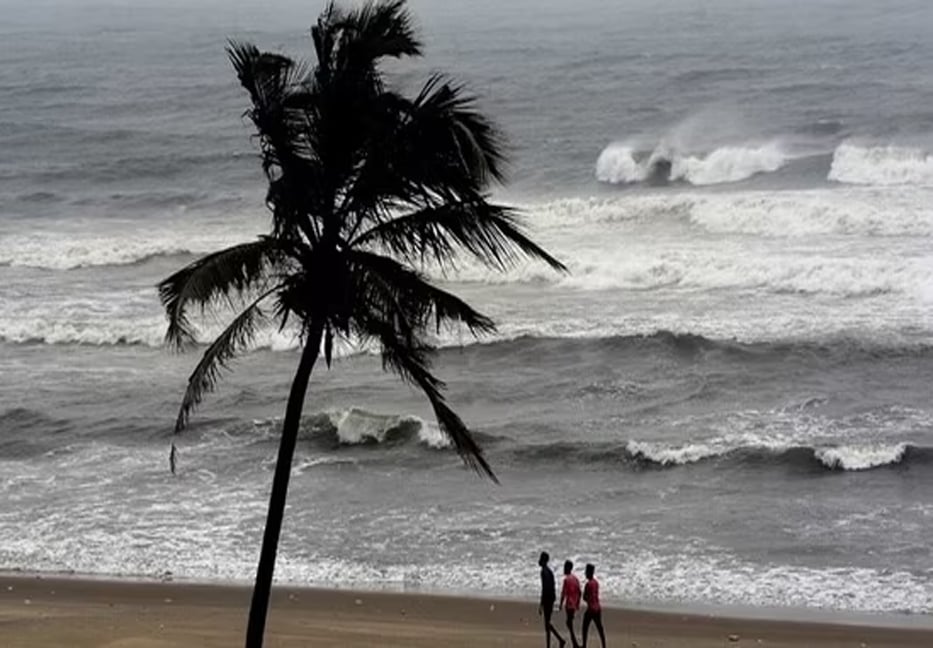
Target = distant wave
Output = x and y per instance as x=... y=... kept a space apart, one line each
x=622 y=164
x=540 y=344
x=353 y=427
x=641 y=454
x=69 y=250
x=856 y=211
x=359 y=427
x=855 y=457
x=881 y=165
x=689 y=343
x=795 y=214
x=707 y=270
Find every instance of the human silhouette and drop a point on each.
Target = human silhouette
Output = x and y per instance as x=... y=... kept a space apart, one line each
x=594 y=612
x=570 y=599
x=548 y=599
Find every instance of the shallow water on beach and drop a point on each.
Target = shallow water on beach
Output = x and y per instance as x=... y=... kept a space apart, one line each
x=726 y=401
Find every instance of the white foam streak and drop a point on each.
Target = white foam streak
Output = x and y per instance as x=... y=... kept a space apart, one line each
x=881 y=165
x=863 y=457
x=837 y=457
x=119 y=245
x=666 y=455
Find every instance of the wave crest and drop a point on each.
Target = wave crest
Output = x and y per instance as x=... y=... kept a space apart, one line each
x=116 y=246
x=621 y=164
x=356 y=426
x=862 y=457
x=881 y=165
x=854 y=457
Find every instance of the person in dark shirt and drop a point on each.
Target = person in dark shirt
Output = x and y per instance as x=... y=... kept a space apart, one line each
x=548 y=598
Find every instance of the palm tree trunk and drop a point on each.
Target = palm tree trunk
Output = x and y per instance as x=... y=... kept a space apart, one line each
x=283 y=467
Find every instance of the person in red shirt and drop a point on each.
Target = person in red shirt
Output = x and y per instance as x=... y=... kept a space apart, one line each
x=570 y=598
x=594 y=612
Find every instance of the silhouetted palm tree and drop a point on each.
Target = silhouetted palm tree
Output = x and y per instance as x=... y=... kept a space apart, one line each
x=366 y=186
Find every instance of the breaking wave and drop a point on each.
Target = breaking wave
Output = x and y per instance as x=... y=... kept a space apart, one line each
x=359 y=427
x=645 y=455
x=622 y=164
x=881 y=165
x=85 y=248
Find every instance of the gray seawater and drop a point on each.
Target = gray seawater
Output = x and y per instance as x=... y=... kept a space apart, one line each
x=727 y=400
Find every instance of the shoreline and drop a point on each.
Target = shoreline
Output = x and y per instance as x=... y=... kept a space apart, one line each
x=833 y=616
x=38 y=610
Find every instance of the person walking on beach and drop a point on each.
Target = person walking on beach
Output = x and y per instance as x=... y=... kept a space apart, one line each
x=570 y=599
x=594 y=612
x=548 y=599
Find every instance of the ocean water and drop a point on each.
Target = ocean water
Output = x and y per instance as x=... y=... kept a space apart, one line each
x=726 y=401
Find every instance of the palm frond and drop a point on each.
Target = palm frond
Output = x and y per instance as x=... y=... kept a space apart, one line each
x=403 y=296
x=230 y=272
x=492 y=234
x=435 y=148
x=234 y=339
x=446 y=112
x=412 y=362
x=323 y=35
x=377 y=30
x=271 y=80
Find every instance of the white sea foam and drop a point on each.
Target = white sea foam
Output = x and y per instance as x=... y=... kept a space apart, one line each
x=856 y=211
x=620 y=163
x=73 y=246
x=669 y=455
x=728 y=164
x=357 y=426
x=58 y=327
x=702 y=270
x=617 y=164
x=852 y=457
x=881 y=165
x=792 y=214
x=861 y=457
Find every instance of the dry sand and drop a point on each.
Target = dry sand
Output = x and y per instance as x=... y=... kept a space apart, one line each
x=77 y=613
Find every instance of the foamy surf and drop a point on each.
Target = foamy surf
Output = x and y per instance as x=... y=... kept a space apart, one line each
x=853 y=457
x=862 y=457
x=356 y=426
x=883 y=165
x=620 y=163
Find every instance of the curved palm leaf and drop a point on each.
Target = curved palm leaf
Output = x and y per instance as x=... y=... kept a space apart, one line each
x=444 y=112
x=400 y=294
x=224 y=274
x=491 y=233
x=271 y=81
x=411 y=360
x=437 y=147
x=234 y=339
x=374 y=31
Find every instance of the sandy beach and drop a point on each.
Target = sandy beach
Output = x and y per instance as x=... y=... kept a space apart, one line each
x=40 y=612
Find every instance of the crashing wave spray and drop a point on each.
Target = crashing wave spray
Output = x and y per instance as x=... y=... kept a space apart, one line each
x=620 y=163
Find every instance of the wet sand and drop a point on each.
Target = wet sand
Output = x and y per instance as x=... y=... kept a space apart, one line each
x=42 y=612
